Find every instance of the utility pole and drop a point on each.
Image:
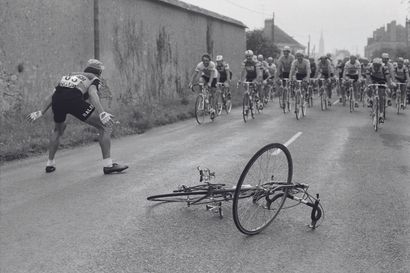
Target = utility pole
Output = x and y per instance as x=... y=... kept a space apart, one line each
x=96 y=31
x=308 y=47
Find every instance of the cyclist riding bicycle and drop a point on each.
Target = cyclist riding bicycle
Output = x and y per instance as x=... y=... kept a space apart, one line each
x=284 y=64
x=313 y=68
x=208 y=75
x=224 y=73
x=265 y=74
x=251 y=71
x=402 y=76
x=353 y=71
x=390 y=67
x=300 y=70
x=272 y=73
x=325 y=71
x=70 y=97
x=378 y=74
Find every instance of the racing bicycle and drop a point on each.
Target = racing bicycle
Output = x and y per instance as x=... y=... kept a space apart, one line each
x=203 y=103
x=259 y=195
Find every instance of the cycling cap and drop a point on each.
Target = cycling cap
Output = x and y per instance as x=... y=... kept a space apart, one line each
x=385 y=55
x=377 y=61
x=400 y=59
x=248 y=52
x=219 y=58
x=322 y=57
x=406 y=61
x=286 y=48
x=299 y=53
x=96 y=64
x=270 y=59
x=260 y=57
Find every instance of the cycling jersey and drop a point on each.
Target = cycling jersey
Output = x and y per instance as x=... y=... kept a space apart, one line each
x=300 y=70
x=352 y=69
x=222 y=70
x=206 y=70
x=284 y=65
x=389 y=66
x=324 y=69
x=378 y=75
x=251 y=67
x=313 y=69
x=79 y=80
x=401 y=74
x=272 y=69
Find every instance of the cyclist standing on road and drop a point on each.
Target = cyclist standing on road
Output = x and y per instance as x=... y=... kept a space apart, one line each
x=353 y=71
x=402 y=76
x=69 y=97
x=207 y=69
x=378 y=74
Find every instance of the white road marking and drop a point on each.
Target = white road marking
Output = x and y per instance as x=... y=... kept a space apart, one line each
x=287 y=143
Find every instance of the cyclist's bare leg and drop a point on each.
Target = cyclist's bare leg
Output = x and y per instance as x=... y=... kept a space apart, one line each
x=58 y=132
x=104 y=137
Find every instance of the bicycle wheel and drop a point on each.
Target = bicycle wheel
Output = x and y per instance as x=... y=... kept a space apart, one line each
x=288 y=104
x=304 y=106
x=398 y=102
x=228 y=106
x=376 y=114
x=268 y=172
x=200 y=111
x=245 y=107
x=282 y=100
x=351 y=103
x=297 y=105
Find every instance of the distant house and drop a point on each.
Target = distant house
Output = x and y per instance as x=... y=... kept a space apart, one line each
x=280 y=37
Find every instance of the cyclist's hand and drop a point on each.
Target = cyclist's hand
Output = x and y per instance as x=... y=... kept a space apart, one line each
x=265 y=82
x=33 y=116
x=190 y=85
x=106 y=119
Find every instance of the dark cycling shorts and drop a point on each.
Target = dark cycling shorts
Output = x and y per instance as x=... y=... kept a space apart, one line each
x=265 y=75
x=285 y=75
x=326 y=75
x=206 y=79
x=400 y=80
x=300 y=76
x=250 y=78
x=353 y=77
x=70 y=101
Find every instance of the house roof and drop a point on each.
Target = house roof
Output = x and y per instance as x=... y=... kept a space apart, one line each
x=195 y=9
x=281 y=37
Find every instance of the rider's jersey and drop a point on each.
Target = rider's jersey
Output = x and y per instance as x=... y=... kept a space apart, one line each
x=285 y=64
x=79 y=80
x=272 y=69
x=301 y=68
x=401 y=74
x=313 y=69
x=206 y=70
x=389 y=66
x=222 y=70
x=324 y=69
x=354 y=69
x=251 y=67
x=378 y=75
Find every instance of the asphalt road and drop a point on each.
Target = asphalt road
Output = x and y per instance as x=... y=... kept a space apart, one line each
x=79 y=220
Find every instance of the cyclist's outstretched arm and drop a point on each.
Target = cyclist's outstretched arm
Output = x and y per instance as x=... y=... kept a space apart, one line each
x=46 y=105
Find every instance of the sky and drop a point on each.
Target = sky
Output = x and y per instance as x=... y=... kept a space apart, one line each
x=346 y=24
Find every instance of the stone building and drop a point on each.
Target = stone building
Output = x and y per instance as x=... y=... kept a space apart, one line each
x=391 y=36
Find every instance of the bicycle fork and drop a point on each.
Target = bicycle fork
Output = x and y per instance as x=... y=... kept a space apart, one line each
x=316 y=213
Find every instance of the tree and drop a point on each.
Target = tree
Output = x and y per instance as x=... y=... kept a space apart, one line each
x=260 y=45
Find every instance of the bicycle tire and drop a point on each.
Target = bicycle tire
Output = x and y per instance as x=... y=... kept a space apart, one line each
x=200 y=106
x=322 y=100
x=245 y=107
x=376 y=115
x=279 y=171
x=351 y=103
x=398 y=102
x=304 y=107
x=297 y=106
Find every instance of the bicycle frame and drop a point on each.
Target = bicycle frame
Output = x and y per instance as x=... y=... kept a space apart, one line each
x=378 y=103
x=401 y=92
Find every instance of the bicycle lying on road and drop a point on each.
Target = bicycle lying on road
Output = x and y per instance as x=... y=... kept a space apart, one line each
x=259 y=195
